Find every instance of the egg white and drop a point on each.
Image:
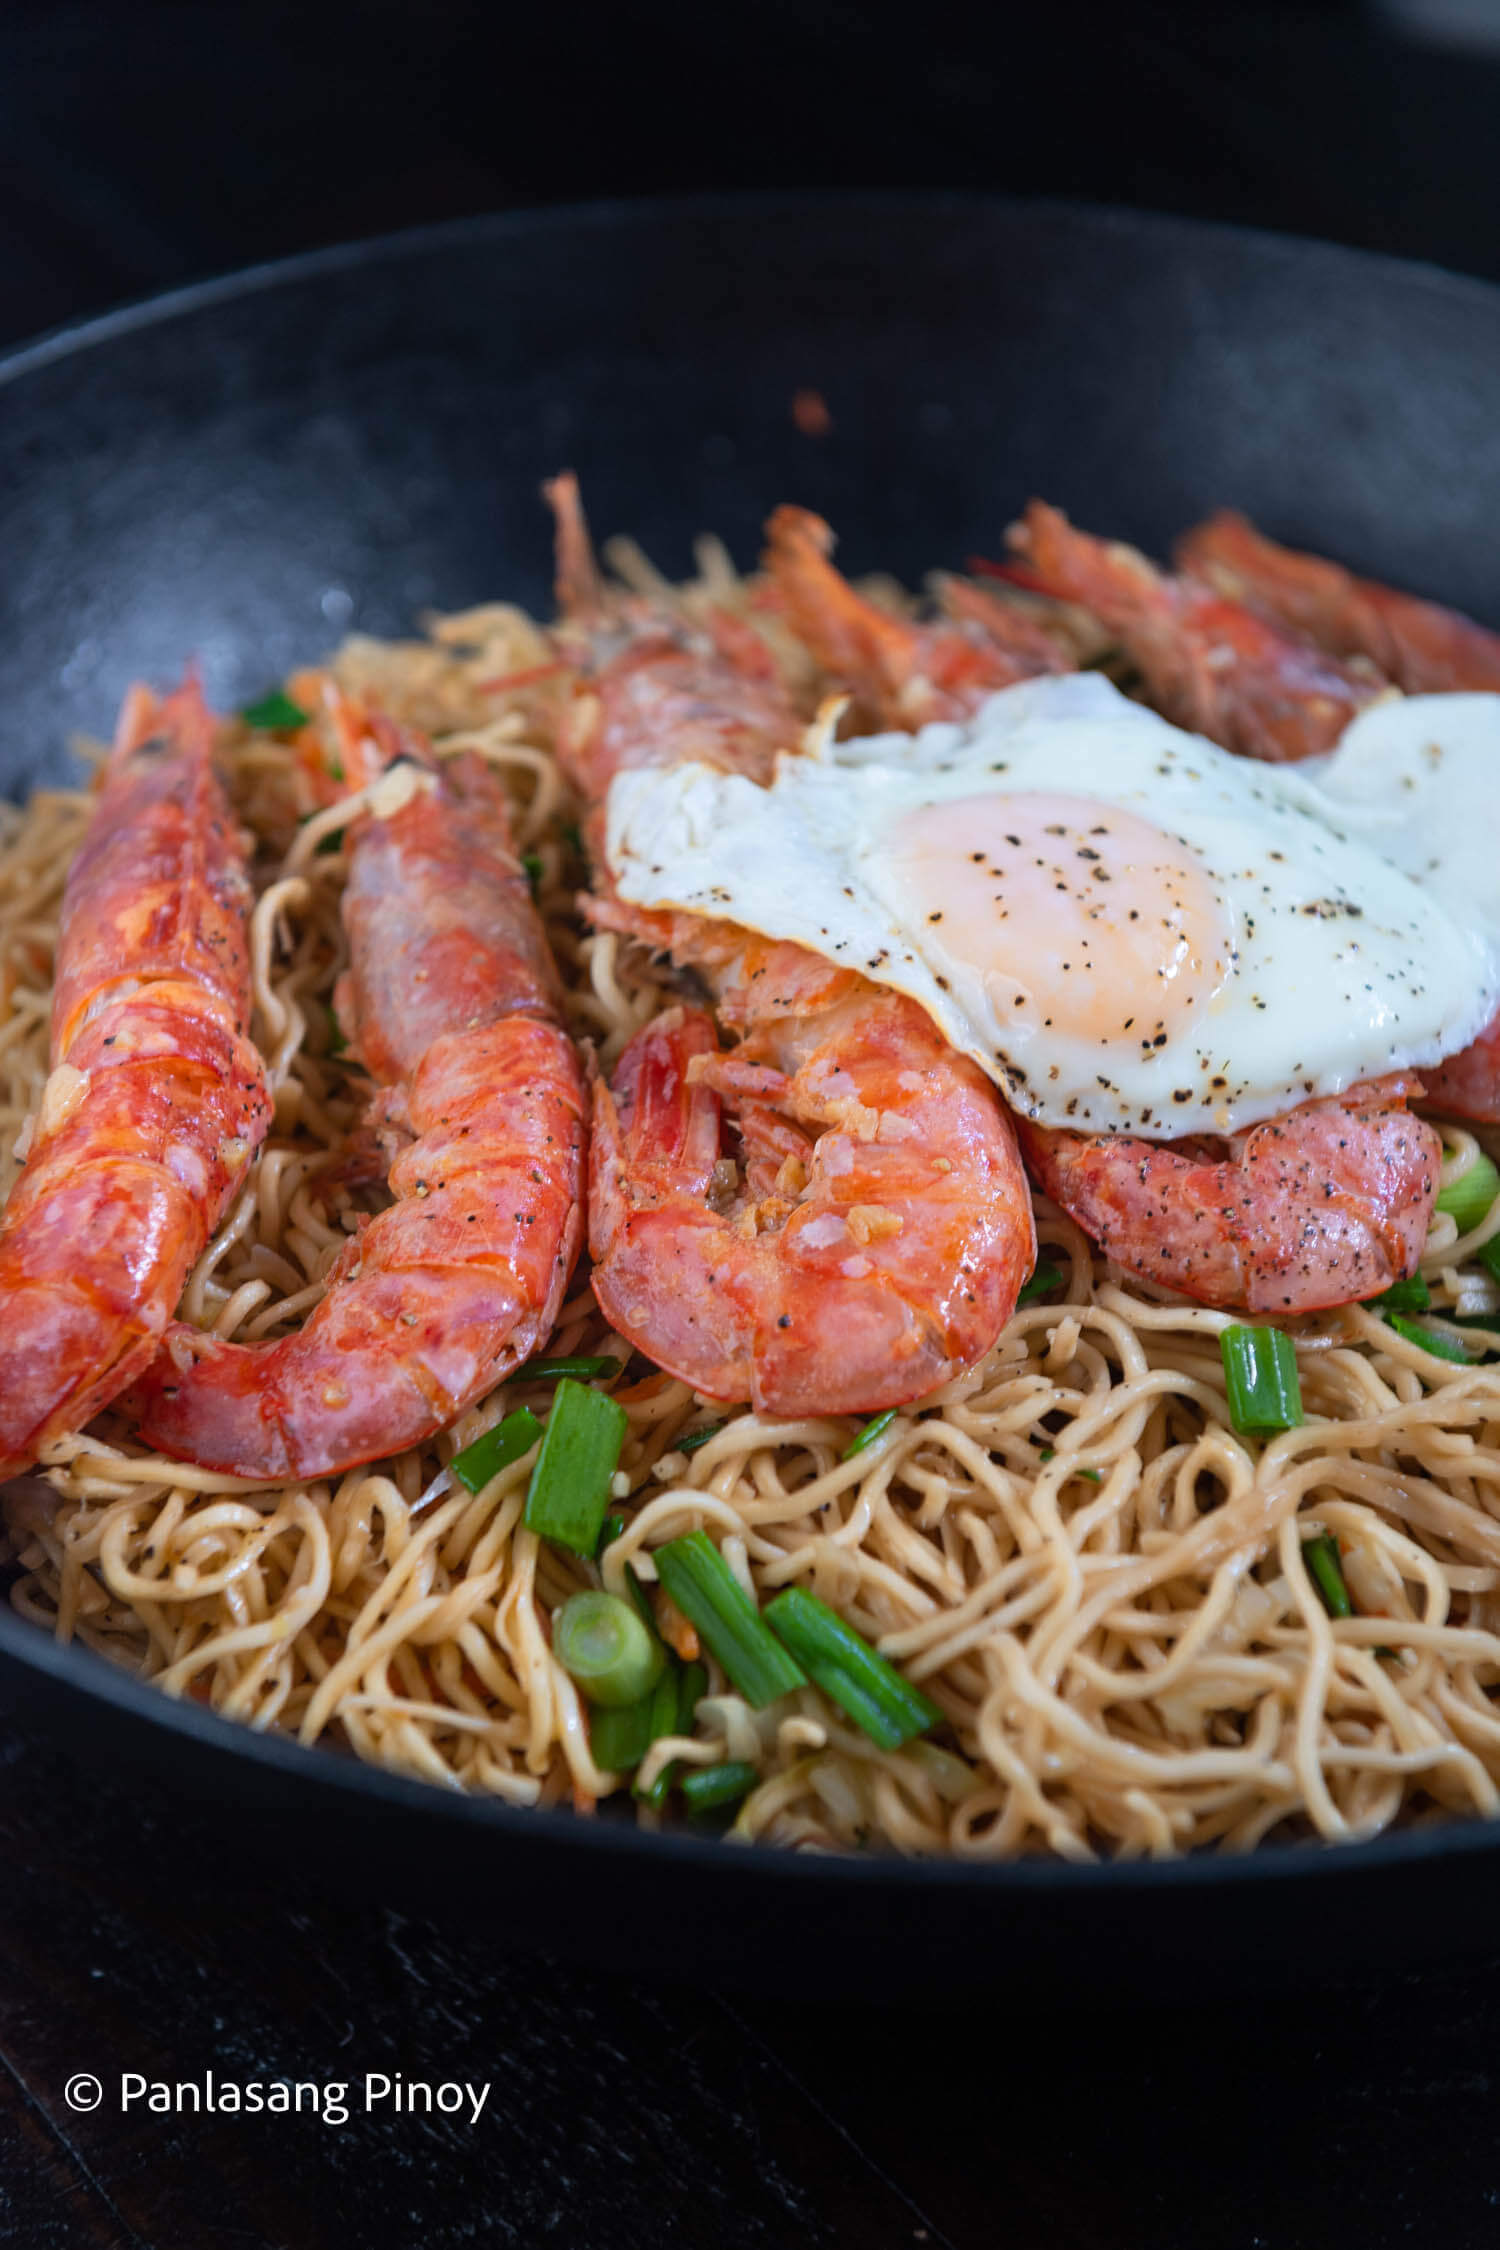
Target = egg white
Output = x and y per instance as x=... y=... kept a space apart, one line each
x=1326 y=925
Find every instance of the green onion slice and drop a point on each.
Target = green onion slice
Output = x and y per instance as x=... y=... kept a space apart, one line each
x=1260 y=1375
x=1430 y=1339
x=620 y=1738
x=496 y=1450
x=569 y=1492
x=1044 y=1276
x=673 y=1715
x=1321 y=1555
x=695 y=1438
x=1468 y=1198
x=707 y=1592
x=1488 y=1255
x=875 y=1695
x=532 y=862
x=875 y=1428
x=692 y=1688
x=337 y=1043
x=662 y=1787
x=601 y=1643
x=609 y=1532
x=1411 y=1295
x=274 y=712
x=706 y=1788
x=549 y=1370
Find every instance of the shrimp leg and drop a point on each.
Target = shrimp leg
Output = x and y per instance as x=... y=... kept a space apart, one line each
x=156 y=1101
x=450 y=1002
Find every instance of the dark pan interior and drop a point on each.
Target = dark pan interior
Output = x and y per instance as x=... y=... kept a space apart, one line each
x=248 y=470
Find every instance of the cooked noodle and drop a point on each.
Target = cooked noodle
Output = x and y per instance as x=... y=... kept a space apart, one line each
x=1070 y=1548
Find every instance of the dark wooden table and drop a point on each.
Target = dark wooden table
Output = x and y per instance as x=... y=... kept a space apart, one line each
x=637 y=2112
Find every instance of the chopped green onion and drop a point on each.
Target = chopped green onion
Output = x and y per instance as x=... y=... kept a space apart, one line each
x=274 y=712
x=601 y=1643
x=547 y=1370
x=1411 y=1295
x=1095 y=1476
x=1468 y=1198
x=331 y=843
x=569 y=1491
x=1260 y=1375
x=496 y=1450
x=875 y=1695
x=532 y=862
x=1044 y=1276
x=337 y=1043
x=692 y=1688
x=689 y=1682
x=662 y=1787
x=637 y=1593
x=1430 y=1339
x=619 y=1739
x=1321 y=1556
x=709 y=1787
x=875 y=1428
x=695 y=1438
x=1488 y=1255
x=609 y=1532
x=707 y=1592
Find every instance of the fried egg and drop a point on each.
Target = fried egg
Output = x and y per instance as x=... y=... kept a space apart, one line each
x=1128 y=928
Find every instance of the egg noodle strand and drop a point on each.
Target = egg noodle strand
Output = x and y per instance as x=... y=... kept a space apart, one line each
x=1098 y=1580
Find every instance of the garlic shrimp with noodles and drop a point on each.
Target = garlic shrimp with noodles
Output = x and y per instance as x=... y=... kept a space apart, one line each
x=1120 y=1604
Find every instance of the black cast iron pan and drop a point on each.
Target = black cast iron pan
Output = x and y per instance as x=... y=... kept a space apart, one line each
x=246 y=470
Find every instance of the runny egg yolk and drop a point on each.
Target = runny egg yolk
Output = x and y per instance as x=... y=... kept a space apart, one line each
x=1073 y=916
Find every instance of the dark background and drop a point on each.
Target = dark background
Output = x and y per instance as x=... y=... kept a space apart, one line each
x=147 y=146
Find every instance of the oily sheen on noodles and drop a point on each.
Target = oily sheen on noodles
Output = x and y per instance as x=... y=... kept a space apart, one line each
x=1100 y=1583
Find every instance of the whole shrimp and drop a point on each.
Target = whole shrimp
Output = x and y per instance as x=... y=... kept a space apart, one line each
x=1424 y=648
x=156 y=1100
x=901 y=674
x=1325 y=1205
x=1209 y=663
x=450 y=1003
x=864 y=1233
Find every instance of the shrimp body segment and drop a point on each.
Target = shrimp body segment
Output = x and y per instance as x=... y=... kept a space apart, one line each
x=449 y=1002
x=901 y=674
x=1209 y=663
x=1324 y=1206
x=157 y=1100
x=869 y=1244
x=1424 y=648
